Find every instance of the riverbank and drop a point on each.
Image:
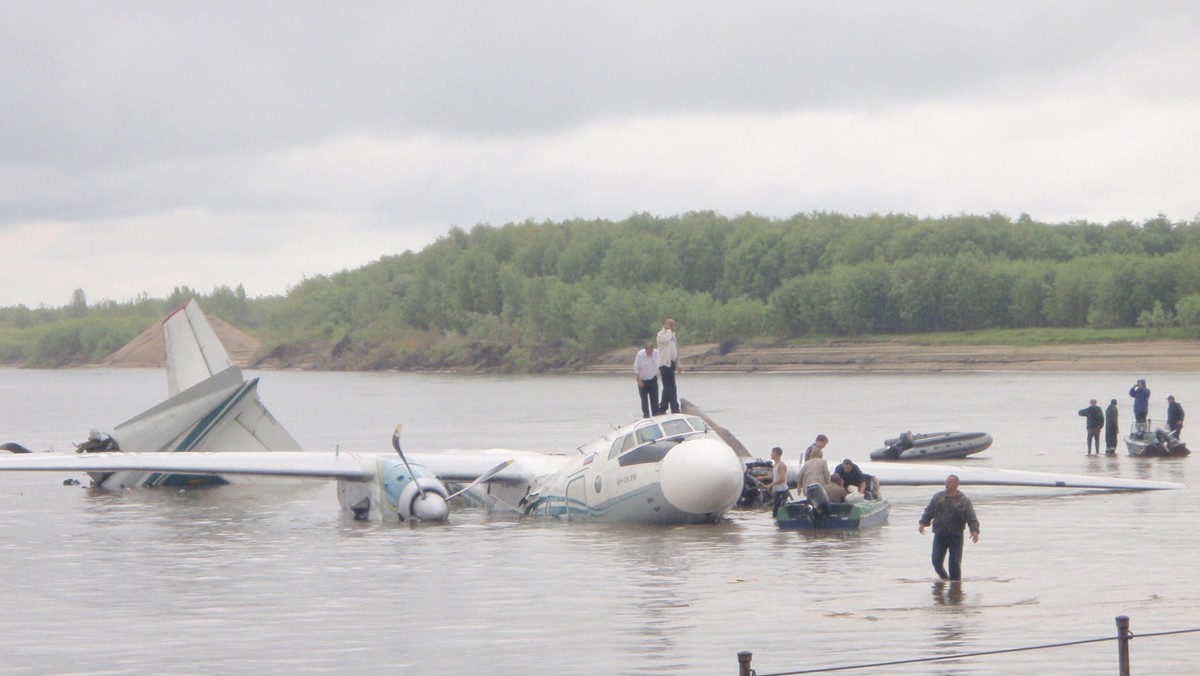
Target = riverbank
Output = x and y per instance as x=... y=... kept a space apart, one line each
x=1134 y=356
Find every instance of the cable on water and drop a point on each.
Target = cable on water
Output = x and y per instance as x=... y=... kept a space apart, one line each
x=982 y=653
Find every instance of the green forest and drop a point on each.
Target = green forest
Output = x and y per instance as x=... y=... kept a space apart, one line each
x=528 y=297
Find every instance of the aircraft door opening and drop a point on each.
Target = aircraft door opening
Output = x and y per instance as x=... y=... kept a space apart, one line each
x=577 y=507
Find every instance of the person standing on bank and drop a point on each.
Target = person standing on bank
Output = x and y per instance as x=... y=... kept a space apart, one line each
x=1141 y=406
x=668 y=366
x=949 y=512
x=1111 y=427
x=1094 y=422
x=778 y=486
x=1174 y=416
x=645 y=369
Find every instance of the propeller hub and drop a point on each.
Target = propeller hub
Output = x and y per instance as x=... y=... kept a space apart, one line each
x=430 y=507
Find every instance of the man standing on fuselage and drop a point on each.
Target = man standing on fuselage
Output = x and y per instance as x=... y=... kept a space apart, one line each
x=645 y=369
x=949 y=511
x=668 y=366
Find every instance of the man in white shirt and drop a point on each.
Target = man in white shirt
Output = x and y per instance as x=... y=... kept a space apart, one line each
x=668 y=366
x=645 y=369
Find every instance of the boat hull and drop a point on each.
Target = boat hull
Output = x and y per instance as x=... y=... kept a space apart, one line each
x=935 y=446
x=841 y=516
x=1142 y=443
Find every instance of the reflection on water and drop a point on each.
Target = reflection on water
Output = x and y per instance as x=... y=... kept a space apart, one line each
x=247 y=578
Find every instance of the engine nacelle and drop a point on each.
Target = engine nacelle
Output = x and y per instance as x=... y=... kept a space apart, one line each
x=422 y=497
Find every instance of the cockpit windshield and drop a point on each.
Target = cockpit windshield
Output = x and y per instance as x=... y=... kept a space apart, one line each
x=648 y=433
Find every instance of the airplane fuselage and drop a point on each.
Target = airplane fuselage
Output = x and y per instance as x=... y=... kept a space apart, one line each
x=669 y=469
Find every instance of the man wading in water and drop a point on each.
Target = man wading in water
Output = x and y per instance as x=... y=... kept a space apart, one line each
x=949 y=511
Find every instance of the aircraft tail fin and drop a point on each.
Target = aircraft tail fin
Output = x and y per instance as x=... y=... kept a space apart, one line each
x=194 y=352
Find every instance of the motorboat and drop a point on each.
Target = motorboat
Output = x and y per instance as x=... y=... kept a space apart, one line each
x=1143 y=443
x=817 y=512
x=933 y=446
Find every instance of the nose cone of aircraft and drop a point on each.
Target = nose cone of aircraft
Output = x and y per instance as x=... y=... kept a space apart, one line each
x=702 y=476
x=432 y=507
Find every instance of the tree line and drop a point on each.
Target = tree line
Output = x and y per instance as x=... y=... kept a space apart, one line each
x=534 y=296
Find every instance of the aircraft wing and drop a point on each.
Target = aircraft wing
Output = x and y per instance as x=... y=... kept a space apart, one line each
x=467 y=465
x=900 y=474
x=346 y=466
x=194 y=352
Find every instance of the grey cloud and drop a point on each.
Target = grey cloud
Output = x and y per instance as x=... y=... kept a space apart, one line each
x=110 y=83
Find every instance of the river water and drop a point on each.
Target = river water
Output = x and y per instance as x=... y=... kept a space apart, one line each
x=244 y=579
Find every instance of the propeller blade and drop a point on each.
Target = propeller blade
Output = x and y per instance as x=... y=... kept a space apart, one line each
x=737 y=446
x=483 y=477
x=14 y=447
x=396 y=445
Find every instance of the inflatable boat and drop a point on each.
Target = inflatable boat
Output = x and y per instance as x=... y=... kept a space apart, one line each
x=933 y=446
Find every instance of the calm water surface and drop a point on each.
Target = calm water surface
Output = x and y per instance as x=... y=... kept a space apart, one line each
x=266 y=578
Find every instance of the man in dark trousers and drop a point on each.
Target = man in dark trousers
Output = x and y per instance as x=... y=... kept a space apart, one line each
x=645 y=370
x=1174 y=416
x=1141 y=407
x=1111 y=427
x=1095 y=422
x=949 y=512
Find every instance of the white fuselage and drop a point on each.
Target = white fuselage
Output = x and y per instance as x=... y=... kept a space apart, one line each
x=668 y=469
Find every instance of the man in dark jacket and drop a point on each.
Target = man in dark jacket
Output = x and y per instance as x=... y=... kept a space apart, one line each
x=1095 y=422
x=949 y=512
x=1174 y=416
x=1111 y=427
x=1141 y=408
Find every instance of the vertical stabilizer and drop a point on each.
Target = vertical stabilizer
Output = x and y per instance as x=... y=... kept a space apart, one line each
x=194 y=352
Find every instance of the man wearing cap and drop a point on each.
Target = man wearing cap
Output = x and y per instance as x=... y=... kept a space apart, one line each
x=851 y=474
x=1174 y=416
x=949 y=512
x=1094 y=423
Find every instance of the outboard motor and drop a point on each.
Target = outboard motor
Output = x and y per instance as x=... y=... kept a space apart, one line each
x=902 y=444
x=818 y=498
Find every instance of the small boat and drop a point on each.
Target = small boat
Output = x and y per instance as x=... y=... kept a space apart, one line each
x=817 y=512
x=933 y=446
x=1142 y=443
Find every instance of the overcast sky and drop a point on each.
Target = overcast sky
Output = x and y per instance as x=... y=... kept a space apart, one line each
x=148 y=145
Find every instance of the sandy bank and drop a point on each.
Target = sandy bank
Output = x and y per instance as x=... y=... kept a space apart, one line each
x=1138 y=357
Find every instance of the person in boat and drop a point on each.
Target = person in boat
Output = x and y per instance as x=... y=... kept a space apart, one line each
x=668 y=366
x=1094 y=423
x=779 y=485
x=948 y=513
x=816 y=471
x=645 y=369
x=817 y=445
x=1141 y=405
x=850 y=475
x=1111 y=428
x=1174 y=416
x=904 y=442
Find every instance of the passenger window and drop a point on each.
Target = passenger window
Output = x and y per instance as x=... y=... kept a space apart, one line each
x=676 y=427
x=616 y=448
x=648 y=433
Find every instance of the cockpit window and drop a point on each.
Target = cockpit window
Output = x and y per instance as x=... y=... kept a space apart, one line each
x=676 y=427
x=648 y=433
x=627 y=442
x=698 y=424
x=616 y=447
